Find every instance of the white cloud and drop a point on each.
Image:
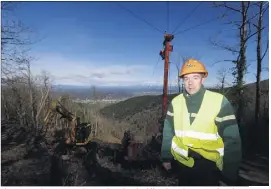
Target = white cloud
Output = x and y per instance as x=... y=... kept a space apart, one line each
x=71 y=72
x=86 y=73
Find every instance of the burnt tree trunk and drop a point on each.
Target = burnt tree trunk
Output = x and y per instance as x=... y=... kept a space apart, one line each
x=259 y=65
x=259 y=27
x=241 y=63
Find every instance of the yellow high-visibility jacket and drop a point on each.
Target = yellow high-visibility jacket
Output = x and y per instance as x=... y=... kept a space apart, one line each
x=203 y=122
x=201 y=136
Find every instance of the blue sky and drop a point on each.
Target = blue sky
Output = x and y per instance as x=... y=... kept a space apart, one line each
x=100 y=43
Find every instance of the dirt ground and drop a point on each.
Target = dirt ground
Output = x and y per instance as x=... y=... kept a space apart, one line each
x=27 y=161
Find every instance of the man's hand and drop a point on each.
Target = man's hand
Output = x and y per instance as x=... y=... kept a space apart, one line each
x=167 y=166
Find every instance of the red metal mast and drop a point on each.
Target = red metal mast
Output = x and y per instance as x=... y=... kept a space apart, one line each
x=165 y=56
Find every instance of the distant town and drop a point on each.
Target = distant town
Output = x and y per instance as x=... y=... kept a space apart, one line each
x=91 y=101
x=105 y=95
x=113 y=98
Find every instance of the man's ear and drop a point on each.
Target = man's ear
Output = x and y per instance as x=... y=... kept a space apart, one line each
x=203 y=79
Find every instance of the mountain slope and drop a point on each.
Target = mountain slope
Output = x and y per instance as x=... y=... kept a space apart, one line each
x=135 y=105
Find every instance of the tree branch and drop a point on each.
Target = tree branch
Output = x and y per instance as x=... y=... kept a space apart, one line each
x=236 y=23
x=42 y=102
x=267 y=47
x=254 y=33
x=223 y=46
x=223 y=4
x=254 y=16
x=222 y=61
x=248 y=4
x=265 y=9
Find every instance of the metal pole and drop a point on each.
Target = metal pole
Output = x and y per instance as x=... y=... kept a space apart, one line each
x=165 y=56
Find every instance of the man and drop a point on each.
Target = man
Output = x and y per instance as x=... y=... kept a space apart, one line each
x=201 y=138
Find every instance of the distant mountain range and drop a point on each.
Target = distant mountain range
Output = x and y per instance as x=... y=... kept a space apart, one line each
x=109 y=92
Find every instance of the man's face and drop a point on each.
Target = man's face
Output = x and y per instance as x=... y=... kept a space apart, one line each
x=193 y=82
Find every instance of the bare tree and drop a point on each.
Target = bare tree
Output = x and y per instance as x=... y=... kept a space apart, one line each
x=222 y=79
x=12 y=99
x=13 y=42
x=14 y=94
x=246 y=32
x=45 y=90
x=16 y=39
x=260 y=56
x=240 y=63
x=23 y=97
x=24 y=63
x=31 y=93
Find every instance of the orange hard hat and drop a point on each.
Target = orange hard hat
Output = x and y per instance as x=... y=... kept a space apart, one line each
x=193 y=66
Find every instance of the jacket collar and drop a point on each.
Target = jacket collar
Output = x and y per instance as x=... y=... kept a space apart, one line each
x=197 y=95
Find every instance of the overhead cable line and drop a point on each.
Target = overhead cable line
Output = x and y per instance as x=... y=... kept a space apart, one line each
x=156 y=65
x=191 y=12
x=131 y=12
x=168 y=16
x=193 y=27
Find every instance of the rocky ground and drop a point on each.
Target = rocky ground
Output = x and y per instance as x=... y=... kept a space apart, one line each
x=29 y=161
